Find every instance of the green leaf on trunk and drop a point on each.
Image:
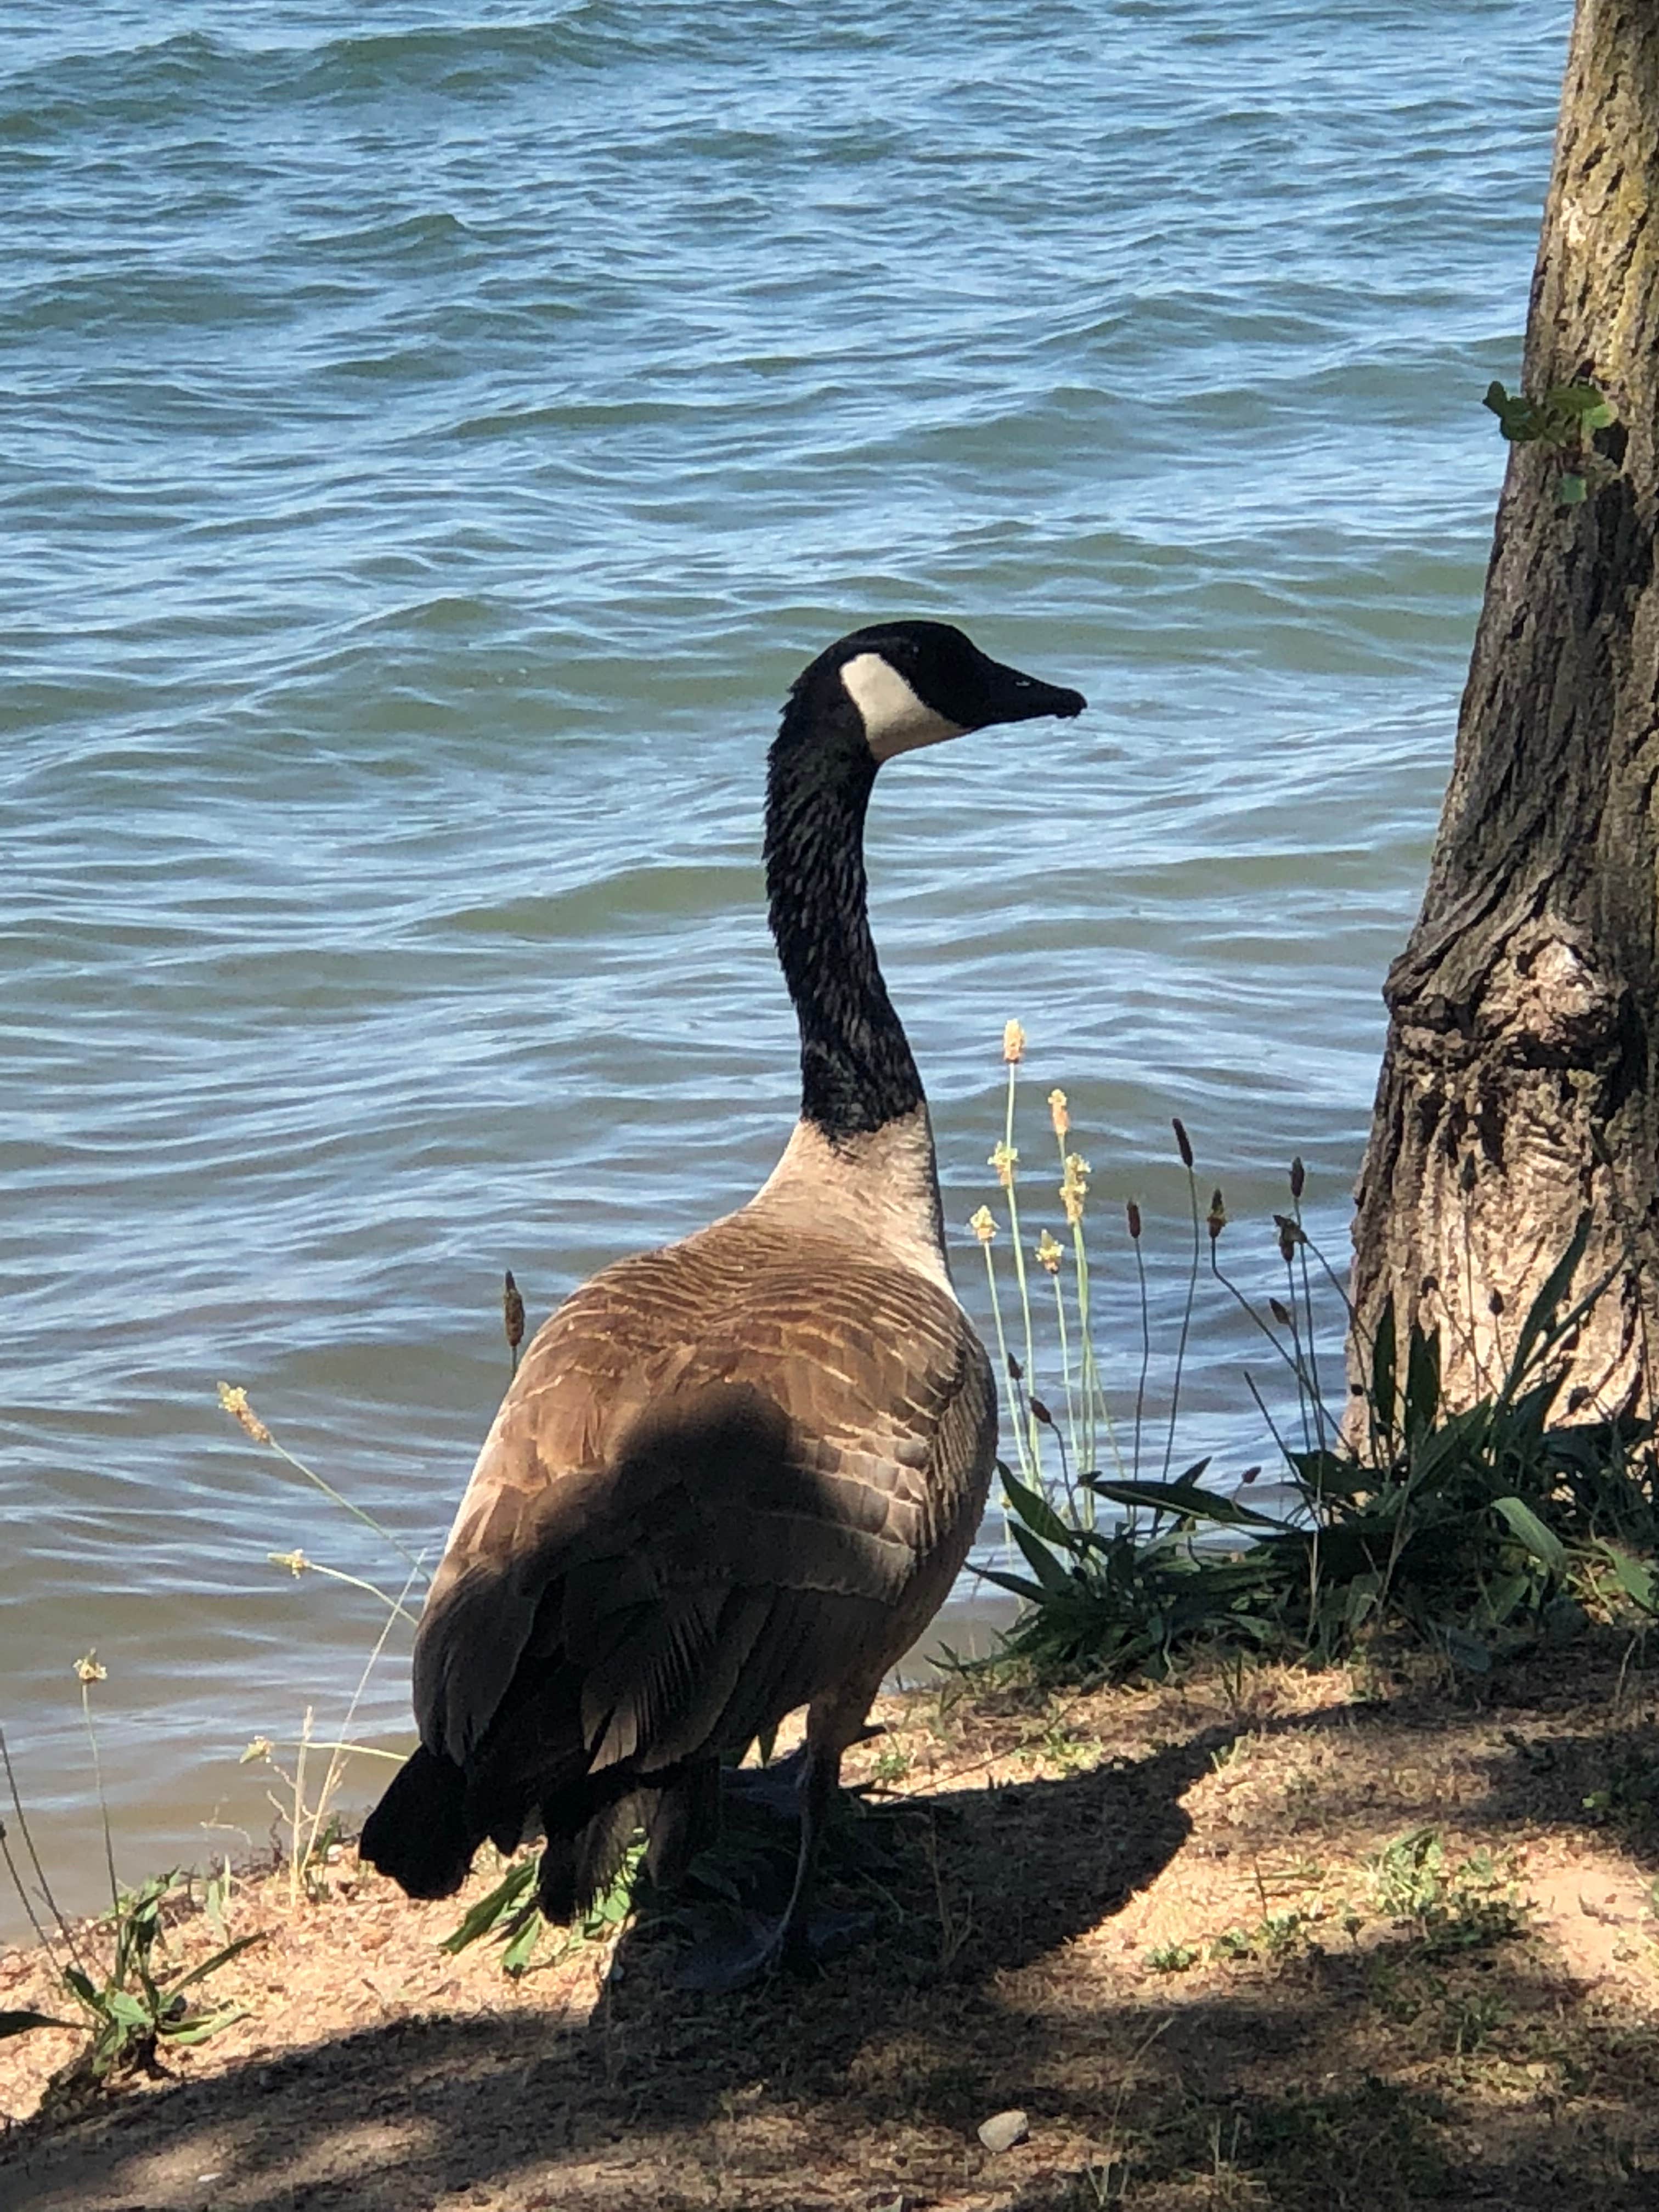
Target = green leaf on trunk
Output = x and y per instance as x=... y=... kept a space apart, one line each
x=1382 y=1370
x=1539 y=1329
x=1581 y=399
x=1422 y=1382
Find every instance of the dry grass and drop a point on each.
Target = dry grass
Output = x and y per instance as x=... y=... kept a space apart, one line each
x=1174 y=1925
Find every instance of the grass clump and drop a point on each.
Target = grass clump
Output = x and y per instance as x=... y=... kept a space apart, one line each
x=1474 y=1531
x=113 y=1974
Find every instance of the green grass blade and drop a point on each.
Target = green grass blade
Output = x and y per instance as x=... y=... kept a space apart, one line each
x=1542 y=1541
x=1041 y=1561
x=1017 y=1585
x=212 y=1965
x=1034 y=1509
x=517 y=1956
x=1539 y=1326
x=483 y=1915
x=1189 y=1499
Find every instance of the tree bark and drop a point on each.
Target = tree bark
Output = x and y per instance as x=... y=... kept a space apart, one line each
x=1520 y=1083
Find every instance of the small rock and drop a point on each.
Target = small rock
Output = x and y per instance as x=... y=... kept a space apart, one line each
x=1003 y=2130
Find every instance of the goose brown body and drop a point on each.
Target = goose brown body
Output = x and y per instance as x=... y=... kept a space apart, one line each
x=739 y=1474
x=733 y=1477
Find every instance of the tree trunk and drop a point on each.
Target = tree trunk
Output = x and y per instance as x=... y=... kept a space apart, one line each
x=1520 y=1084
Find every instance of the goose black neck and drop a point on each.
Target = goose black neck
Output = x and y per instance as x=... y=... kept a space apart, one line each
x=856 y=1069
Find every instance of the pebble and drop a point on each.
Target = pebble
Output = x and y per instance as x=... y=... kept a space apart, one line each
x=1003 y=2130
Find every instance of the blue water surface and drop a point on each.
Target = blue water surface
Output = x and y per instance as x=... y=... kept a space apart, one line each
x=432 y=442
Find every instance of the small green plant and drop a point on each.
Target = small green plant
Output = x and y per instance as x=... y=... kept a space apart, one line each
x=514 y=1918
x=1276 y=1935
x=1629 y=1798
x=1173 y=1958
x=1457 y=2021
x=890 y=1767
x=1471 y=2018
x=133 y=2008
x=1118 y=1603
x=1451 y=1907
x=1558 y=422
x=1063 y=1746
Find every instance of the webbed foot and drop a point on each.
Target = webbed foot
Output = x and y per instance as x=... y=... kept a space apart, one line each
x=720 y=1964
x=773 y=1790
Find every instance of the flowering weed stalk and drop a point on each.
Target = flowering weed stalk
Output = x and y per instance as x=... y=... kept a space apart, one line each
x=1087 y=1415
x=310 y=1828
x=234 y=1399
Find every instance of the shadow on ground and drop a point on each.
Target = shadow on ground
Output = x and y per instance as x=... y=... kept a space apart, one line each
x=1403 y=2072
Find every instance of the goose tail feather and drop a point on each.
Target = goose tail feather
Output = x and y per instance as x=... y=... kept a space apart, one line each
x=419 y=1832
x=586 y=1844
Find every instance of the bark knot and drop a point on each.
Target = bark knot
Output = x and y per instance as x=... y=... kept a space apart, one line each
x=1547 y=997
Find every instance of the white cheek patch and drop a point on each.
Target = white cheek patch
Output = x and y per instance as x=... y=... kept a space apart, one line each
x=895 y=720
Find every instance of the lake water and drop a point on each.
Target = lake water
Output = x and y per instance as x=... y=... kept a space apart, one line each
x=433 y=442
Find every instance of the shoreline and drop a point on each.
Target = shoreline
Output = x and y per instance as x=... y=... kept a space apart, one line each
x=225 y=1801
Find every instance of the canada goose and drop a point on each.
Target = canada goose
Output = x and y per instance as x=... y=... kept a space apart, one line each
x=739 y=1474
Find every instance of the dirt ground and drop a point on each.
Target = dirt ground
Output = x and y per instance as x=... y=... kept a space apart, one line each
x=1251 y=1939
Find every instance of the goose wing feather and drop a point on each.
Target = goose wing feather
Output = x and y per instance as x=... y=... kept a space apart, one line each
x=726 y=1471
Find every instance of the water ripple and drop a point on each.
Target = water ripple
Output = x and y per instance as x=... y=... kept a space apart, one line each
x=433 y=449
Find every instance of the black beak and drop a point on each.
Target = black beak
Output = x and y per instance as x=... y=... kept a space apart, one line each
x=1015 y=697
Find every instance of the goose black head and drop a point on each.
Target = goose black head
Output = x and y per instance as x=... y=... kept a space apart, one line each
x=881 y=690
x=914 y=684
